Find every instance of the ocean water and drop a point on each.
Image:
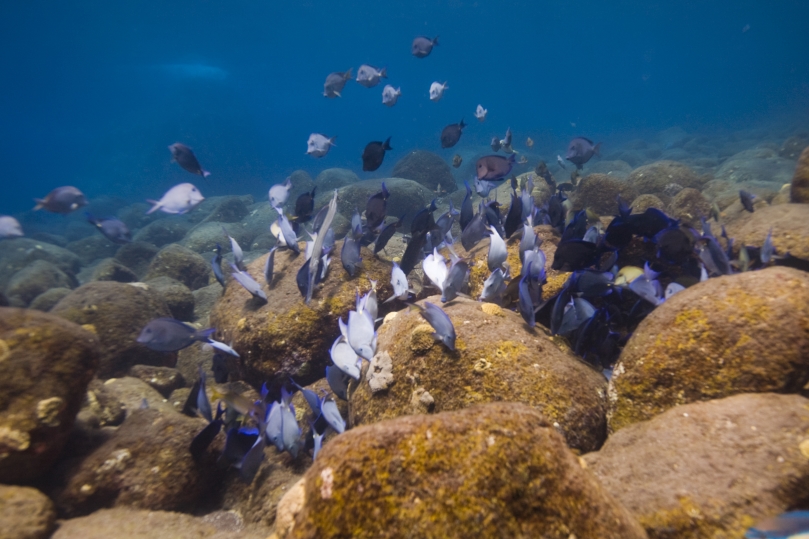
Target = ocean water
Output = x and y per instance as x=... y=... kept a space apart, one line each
x=94 y=92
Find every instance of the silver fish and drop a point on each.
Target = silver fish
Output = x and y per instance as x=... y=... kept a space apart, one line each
x=390 y=95
x=279 y=193
x=179 y=199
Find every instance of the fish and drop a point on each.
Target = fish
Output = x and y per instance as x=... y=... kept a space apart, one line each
x=398 y=281
x=494 y=167
x=484 y=187
x=206 y=436
x=249 y=465
x=647 y=287
x=338 y=381
x=529 y=239
x=456 y=160
x=216 y=266
x=386 y=234
x=62 y=200
x=360 y=334
x=345 y=358
x=466 y=207
x=475 y=231
x=274 y=422
x=747 y=199
x=322 y=236
x=452 y=134
x=279 y=193
x=495 y=144
x=505 y=143
x=536 y=260
x=561 y=162
x=494 y=286
x=170 y=335
x=304 y=206
x=525 y=301
x=238 y=254
x=222 y=347
x=376 y=207
x=437 y=91
x=580 y=150
x=789 y=525
x=577 y=314
x=672 y=289
x=390 y=95
x=435 y=268
x=445 y=220
x=767 y=249
x=269 y=266
x=714 y=258
x=457 y=278
x=290 y=431
x=319 y=145
x=374 y=154
x=369 y=76
x=497 y=250
x=423 y=221
x=185 y=157
x=529 y=142
x=592 y=283
x=335 y=82
x=350 y=253
x=480 y=113
x=332 y=415
x=412 y=254
x=575 y=254
x=317 y=438
x=674 y=245
x=249 y=284
x=10 y=227
x=178 y=200
x=203 y=404
x=113 y=229
x=444 y=331
x=521 y=160
x=290 y=238
x=368 y=302
x=422 y=46
x=309 y=396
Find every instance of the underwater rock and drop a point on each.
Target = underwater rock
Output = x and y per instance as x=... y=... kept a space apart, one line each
x=228 y=209
x=644 y=202
x=302 y=183
x=794 y=146
x=688 y=206
x=257 y=226
x=757 y=166
x=164 y=231
x=116 y=312
x=177 y=296
x=102 y=407
x=145 y=464
x=92 y=248
x=288 y=508
x=131 y=392
x=496 y=358
x=614 y=169
x=710 y=469
x=46 y=300
x=204 y=300
x=284 y=335
x=110 y=269
x=789 y=229
x=742 y=333
x=163 y=379
x=426 y=168
x=26 y=513
x=31 y=281
x=799 y=193
x=19 y=253
x=653 y=178
x=136 y=256
x=334 y=178
x=45 y=365
x=182 y=264
x=496 y=470
x=599 y=192
x=203 y=238
x=125 y=523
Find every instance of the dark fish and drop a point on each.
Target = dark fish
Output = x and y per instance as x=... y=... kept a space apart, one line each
x=422 y=46
x=249 y=465
x=747 y=199
x=220 y=368
x=441 y=323
x=496 y=144
x=474 y=232
x=376 y=208
x=302 y=277
x=203 y=404
x=542 y=171
x=792 y=262
x=185 y=158
x=514 y=217
x=556 y=211
x=452 y=134
x=714 y=258
x=62 y=200
x=249 y=284
x=456 y=279
x=580 y=150
x=216 y=265
x=350 y=253
x=649 y=223
x=592 y=283
x=575 y=254
x=494 y=167
x=338 y=381
x=619 y=233
x=558 y=312
x=206 y=436
x=423 y=221
x=466 y=207
x=456 y=160
x=304 y=206
x=373 y=155
x=526 y=303
x=413 y=253
x=577 y=227
x=269 y=266
x=170 y=335
x=445 y=221
x=335 y=82
x=387 y=233
x=674 y=245
x=113 y=229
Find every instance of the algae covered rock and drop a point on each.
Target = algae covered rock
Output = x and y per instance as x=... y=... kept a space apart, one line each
x=19 y=253
x=799 y=192
x=181 y=264
x=136 y=256
x=334 y=178
x=163 y=231
x=497 y=358
x=644 y=202
x=497 y=470
x=688 y=206
x=25 y=513
x=655 y=177
x=599 y=193
x=116 y=313
x=710 y=469
x=743 y=333
x=789 y=229
x=46 y=363
x=177 y=296
x=284 y=335
x=36 y=279
x=426 y=168
x=756 y=166
x=46 y=300
x=92 y=248
x=110 y=269
x=145 y=464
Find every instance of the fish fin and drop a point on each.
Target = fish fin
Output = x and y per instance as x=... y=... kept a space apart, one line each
x=40 y=204
x=347 y=75
x=336 y=93
x=597 y=149
x=384 y=73
x=386 y=145
x=154 y=208
x=205 y=173
x=435 y=41
x=331 y=141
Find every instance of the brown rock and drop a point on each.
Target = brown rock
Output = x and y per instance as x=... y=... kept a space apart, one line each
x=743 y=333
x=644 y=202
x=497 y=358
x=426 y=168
x=800 y=181
x=163 y=379
x=710 y=469
x=25 y=513
x=655 y=177
x=688 y=206
x=498 y=470
x=181 y=264
x=599 y=192
x=793 y=146
x=789 y=229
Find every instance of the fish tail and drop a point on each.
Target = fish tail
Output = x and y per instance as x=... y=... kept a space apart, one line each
x=204 y=334
x=40 y=204
x=205 y=173
x=384 y=73
x=331 y=141
x=386 y=146
x=154 y=207
x=347 y=75
x=435 y=41
x=597 y=149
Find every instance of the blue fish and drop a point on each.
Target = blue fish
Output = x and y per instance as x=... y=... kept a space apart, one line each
x=203 y=404
x=113 y=229
x=290 y=238
x=318 y=439
x=170 y=335
x=350 y=253
x=466 y=207
x=216 y=266
x=338 y=381
x=474 y=232
x=238 y=254
x=494 y=287
x=290 y=431
x=526 y=303
x=767 y=249
x=248 y=467
x=249 y=284
x=386 y=234
x=441 y=323
x=273 y=426
x=269 y=266
x=792 y=524
x=202 y=440
x=332 y=415
x=311 y=397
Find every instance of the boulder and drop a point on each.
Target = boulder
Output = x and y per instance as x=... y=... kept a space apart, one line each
x=33 y=280
x=788 y=224
x=285 y=336
x=92 y=248
x=426 y=168
x=228 y=209
x=116 y=313
x=497 y=358
x=334 y=178
x=146 y=464
x=136 y=256
x=710 y=469
x=164 y=231
x=45 y=365
x=599 y=193
x=19 y=253
x=177 y=296
x=181 y=264
x=688 y=206
x=497 y=470
x=102 y=407
x=131 y=393
x=46 y=300
x=743 y=333
x=204 y=300
x=110 y=269
x=757 y=166
x=655 y=177
x=799 y=193
x=26 y=513
x=644 y=202
x=203 y=238
x=163 y=379
x=615 y=169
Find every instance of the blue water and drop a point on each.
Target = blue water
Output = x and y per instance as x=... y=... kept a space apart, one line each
x=94 y=92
